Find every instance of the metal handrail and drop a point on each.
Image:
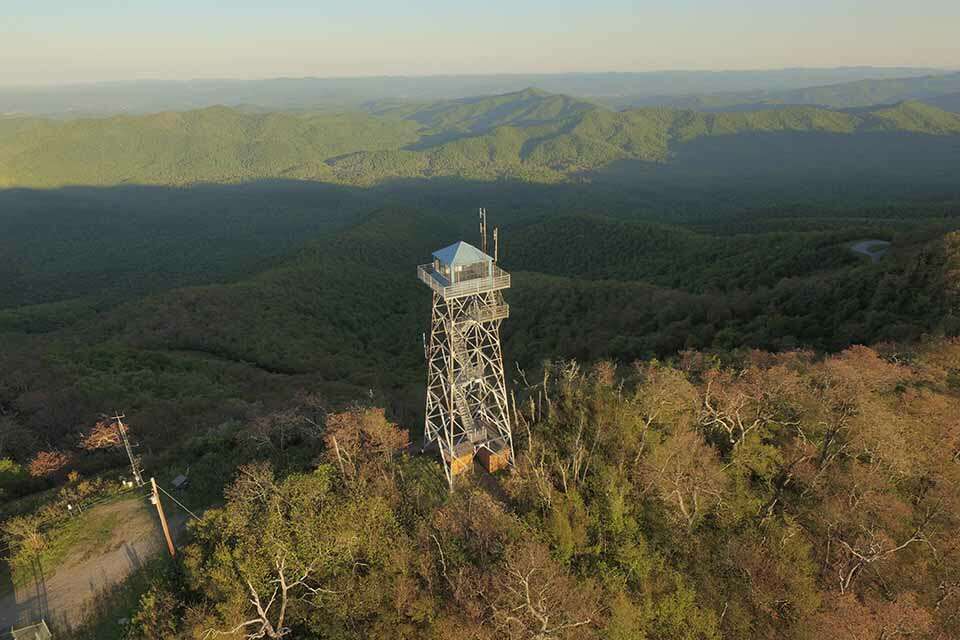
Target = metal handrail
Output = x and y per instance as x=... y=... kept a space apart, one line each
x=489 y=314
x=499 y=280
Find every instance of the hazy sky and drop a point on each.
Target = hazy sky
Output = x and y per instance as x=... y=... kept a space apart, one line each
x=56 y=41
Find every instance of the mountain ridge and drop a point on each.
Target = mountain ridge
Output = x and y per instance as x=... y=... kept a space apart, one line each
x=147 y=96
x=868 y=92
x=529 y=135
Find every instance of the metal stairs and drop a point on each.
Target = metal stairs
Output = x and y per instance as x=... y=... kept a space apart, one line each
x=468 y=373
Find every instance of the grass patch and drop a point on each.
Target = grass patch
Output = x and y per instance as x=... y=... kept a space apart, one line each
x=77 y=538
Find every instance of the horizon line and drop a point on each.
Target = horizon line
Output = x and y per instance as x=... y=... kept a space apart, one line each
x=516 y=74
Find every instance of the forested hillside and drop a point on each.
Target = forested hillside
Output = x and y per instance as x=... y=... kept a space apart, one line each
x=530 y=136
x=844 y=95
x=280 y=94
x=345 y=314
x=948 y=102
x=777 y=496
x=705 y=447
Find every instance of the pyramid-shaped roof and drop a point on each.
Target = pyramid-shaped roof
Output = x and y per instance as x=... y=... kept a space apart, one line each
x=460 y=253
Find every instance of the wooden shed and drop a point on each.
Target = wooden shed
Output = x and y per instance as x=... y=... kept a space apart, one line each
x=462 y=458
x=38 y=631
x=495 y=456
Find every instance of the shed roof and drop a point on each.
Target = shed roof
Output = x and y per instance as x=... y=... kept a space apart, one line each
x=38 y=631
x=461 y=253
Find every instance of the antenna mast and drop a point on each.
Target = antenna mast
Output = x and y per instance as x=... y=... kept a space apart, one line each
x=483 y=230
x=134 y=461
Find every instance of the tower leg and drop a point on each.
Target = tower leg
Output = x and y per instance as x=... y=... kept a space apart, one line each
x=466 y=398
x=437 y=428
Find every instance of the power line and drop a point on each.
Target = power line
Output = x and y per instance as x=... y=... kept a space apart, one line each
x=195 y=516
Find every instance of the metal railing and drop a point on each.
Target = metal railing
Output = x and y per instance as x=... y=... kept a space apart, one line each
x=489 y=314
x=499 y=280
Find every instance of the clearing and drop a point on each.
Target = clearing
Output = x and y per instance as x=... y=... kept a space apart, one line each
x=90 y=554
x=873 y=249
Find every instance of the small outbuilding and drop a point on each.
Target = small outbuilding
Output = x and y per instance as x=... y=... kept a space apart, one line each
x=38 y=631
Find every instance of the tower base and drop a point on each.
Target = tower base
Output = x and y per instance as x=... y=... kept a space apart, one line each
x=462 y=459
x=495 y=456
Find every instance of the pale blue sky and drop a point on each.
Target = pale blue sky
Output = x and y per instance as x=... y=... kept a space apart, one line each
x=56 y=41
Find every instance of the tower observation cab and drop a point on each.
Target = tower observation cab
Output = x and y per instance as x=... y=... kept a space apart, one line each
x=466 y=406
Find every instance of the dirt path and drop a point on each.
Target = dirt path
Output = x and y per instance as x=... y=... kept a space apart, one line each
x=61 y=594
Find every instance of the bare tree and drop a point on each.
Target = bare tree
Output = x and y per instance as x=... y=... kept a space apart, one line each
x=269 y=621
x=872 y=546
x=535 y=600
x=103 y=435
x=363 y=441
x=47 y=463
x=738 y=403
x=684 y=471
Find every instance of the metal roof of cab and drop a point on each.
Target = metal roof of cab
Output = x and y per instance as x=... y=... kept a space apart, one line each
x=461 y=253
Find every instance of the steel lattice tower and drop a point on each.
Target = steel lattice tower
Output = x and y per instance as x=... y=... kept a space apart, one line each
x=466 y=411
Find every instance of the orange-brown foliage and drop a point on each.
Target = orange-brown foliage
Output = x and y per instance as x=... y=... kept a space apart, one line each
x=47 y=463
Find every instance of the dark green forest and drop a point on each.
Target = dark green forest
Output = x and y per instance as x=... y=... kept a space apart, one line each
x=729 y=423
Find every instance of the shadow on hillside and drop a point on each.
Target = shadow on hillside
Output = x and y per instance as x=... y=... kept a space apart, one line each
x=80 y=241
x=102 y=244
x=344 y=315
x=898 y=164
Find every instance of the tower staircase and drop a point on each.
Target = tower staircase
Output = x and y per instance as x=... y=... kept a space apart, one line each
x=468 y=372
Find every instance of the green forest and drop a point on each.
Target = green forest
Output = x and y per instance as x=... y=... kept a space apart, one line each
x=729 y=423
x=529 y=135
x=939 y=90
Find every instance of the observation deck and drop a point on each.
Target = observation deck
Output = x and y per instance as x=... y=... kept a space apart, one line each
x=429 y=275
x=463 y=270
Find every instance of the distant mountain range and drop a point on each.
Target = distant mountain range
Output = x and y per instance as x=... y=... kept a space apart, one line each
x=949 y=102
x=529 y=135
x=612 y=89
x=942 y=90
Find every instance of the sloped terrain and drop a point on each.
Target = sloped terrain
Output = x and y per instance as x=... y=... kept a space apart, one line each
x=860 y=93
x=529 y=135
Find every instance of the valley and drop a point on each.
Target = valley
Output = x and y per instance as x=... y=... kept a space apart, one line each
x=708 y=357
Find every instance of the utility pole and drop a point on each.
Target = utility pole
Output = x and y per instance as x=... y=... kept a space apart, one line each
x=134 y=463
x=155 y=499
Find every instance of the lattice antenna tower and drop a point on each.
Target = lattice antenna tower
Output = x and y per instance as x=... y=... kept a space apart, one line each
x=467 y=414
x=135 y=467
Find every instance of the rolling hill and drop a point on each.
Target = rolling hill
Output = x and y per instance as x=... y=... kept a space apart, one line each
x=529 y=135
x=476 y=115
x=279 y=94
x=948 y=102
x=345 y=313
x=241 y=284
x=844 y=95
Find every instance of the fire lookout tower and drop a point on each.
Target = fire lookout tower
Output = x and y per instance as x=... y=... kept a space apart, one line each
x=467 y=413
